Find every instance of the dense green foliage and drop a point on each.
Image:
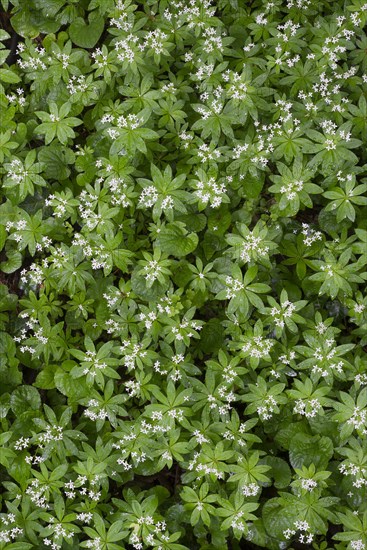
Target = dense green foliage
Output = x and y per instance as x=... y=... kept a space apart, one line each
x=183 y=236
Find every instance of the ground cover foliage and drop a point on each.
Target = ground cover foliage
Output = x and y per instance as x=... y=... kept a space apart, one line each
x=183 y=234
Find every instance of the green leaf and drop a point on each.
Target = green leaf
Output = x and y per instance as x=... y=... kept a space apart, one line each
x=55 y=161
x=278 y=518
x=139 y=287
x=173 y=240
x=20 y=546
x=305 y=450
x=23 y=398
x=212 y=336
x=280 y=471
x=30 y=22
x=86 y=35
x=3 y=236
x=252 y=185
x=45 y=379
x=67 y=386
x=8 y=76
x=13 y=262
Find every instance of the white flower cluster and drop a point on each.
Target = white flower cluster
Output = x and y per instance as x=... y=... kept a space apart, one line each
x=207 y=153
x=204 y=71
x=17 y=98
x=215 y=108
x=234 y=286
x=99 y=414
x=148 y=197
x=310 y=235
x=132 y=388
x=356 y=471
x=184 y=329
x=94 y=544
x=77 y=84
x=36 y=493
x=325 y=358
x=361 y=378
x=22 y=443
x=228 y=374
x=58 y=203
x=126 y=48
x=279 y=313
x=111 y=326
x=79 y=487
x=329 y=268
x=258 y=347
x=186 y=138
x=161 y=310
x=216 y=403
x=210 y=191
x=29 y=61
x=204 y=469
x=30 y=324
x=158 y=533
x=304 y=537
x=308 y=408
x=85 y=517
x=130 y=353
x=95 y=365
x=237 y=88
x=200 y=438
x=229 y=436
x=174 y=414
x=194 y=12
x=253 y=247
x=100 y=58
x=52 y=433
x=118 y=191
x=97 y=253
x=285 y=126
x=59 y=532
x=17 y=171
x=157 y=368
x=169 y=88
x=8 y=535
x=121 y=22
x=8 y=519
x=238 y=150
x=266 y=410
x=213 y=41
x=308 y=484
x=124 y=445
x=238 y=523
x=261 y=19
x=131 y=122
x=292 y=189
x=87 y=205
x=334 y=134
x=113 y=298
x=155 y=40
x=300 y=4
x=152 y=270
x=359 y=420
x=250 y=490
x=288 y=29
x=148 y=319
x=286 y=359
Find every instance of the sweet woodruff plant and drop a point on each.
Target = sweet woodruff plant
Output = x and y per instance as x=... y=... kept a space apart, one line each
x=183 y=307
